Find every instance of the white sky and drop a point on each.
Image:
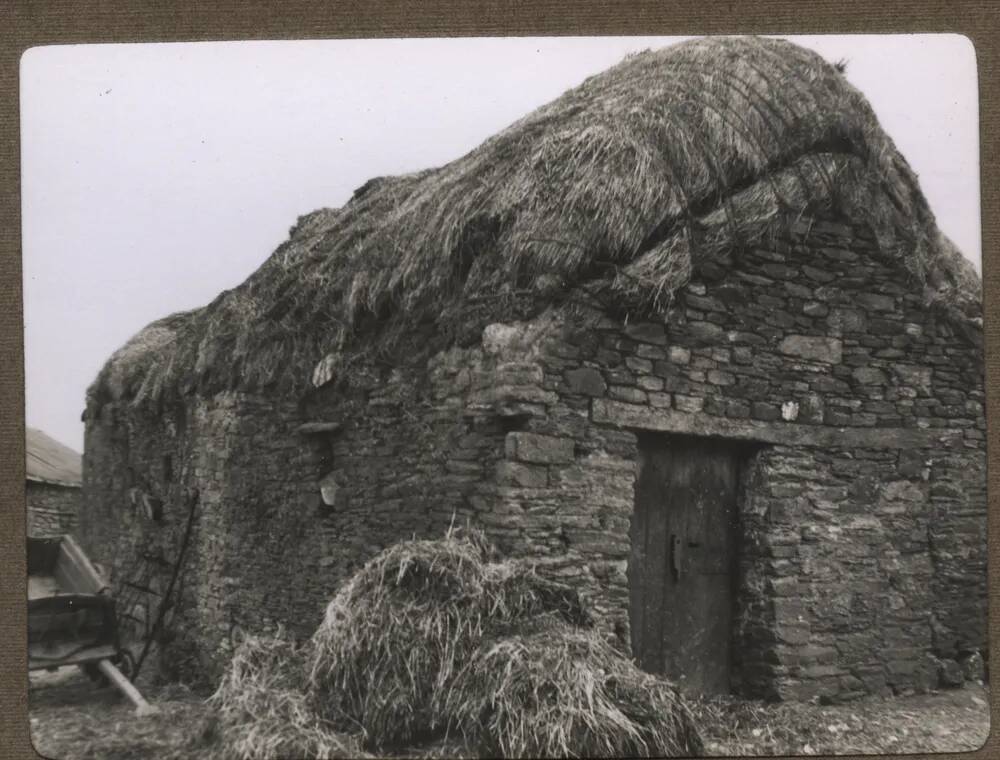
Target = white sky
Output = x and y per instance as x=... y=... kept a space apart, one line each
x=156 y=175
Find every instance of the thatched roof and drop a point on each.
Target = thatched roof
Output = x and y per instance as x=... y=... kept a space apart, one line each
x=622 y=185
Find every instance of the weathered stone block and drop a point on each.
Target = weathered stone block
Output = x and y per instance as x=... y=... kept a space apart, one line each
x=637 y=364
x=660 y=400
x=513 y=408
x=873 y=679
x=761 y=410
x=914 y=464
x=876 y=301
x=508 y=394
x=781 y=271
x=737 y=408
x=601 y=542
x=585 y=380
x=913 y=376
x=828 y=350
x=619 y=376
x=819 y=654
x=539 y=449
x=821 y=671
x=840 y=254
x=844 y=320
x=798 y=290
x=522 y=475
x=647 y=332
x=811 y=409
x=627 y=393
x=903 y=490
x=329 y=489
x=650 y=383
x=519 y=373
x=790 y=411
x=945 y=490
x=688 y=403
x=836 y=417
x=827 y=384
x=880 y=327
x=498 y=336
x=792 y=634
x=718 y=377
x=679 y=355
x=707 y=332
x=869 y=376
x=722 y=355
x=649 y=351
x=818 y=275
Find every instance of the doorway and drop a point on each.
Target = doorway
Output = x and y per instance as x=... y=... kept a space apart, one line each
x=682 y=568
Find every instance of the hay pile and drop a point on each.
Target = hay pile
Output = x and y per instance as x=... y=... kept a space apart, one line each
x=621 y=187
x=559 y=691
x=396 y=635
x=430 y=641
x=263 y=712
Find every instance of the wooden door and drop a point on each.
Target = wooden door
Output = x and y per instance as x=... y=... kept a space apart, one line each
x=683 y=560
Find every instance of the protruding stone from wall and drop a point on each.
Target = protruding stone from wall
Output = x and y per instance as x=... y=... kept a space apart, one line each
x=539 y=449
x=828 y=350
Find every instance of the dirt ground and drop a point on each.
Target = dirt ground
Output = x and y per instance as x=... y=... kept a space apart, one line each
x=72 y=718
x=955 y=720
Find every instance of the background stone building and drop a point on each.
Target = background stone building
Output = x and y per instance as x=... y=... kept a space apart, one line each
x=53 y=488
x=688 y=337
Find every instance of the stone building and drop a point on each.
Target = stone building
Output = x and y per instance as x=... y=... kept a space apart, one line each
x=53 y=486
x=688 y=337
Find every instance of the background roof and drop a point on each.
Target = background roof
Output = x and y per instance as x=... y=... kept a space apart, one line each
x=50 y=461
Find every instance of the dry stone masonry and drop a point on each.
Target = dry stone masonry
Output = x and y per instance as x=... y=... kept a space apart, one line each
x=862 y=504
x=52 y=508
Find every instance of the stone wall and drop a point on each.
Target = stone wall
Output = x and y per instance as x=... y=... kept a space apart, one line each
x=863 y=556
x=864 y=565
x=285 y=510
x=52 y=509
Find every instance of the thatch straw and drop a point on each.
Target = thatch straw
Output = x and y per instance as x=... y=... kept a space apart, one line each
x=559 y=691
x=393 y=636
x=628 y=181
x=264 y=713
x=513 y=591
x=431 y=642
x=128 y=373
x=397 y=632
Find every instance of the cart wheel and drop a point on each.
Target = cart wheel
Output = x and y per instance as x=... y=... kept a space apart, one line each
x=94 y=674
x=126 y=663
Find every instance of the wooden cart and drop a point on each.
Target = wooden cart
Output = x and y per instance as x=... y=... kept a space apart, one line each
x=71 y=616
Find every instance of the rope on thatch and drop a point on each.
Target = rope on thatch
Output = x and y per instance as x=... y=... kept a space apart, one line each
x=622 y=186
